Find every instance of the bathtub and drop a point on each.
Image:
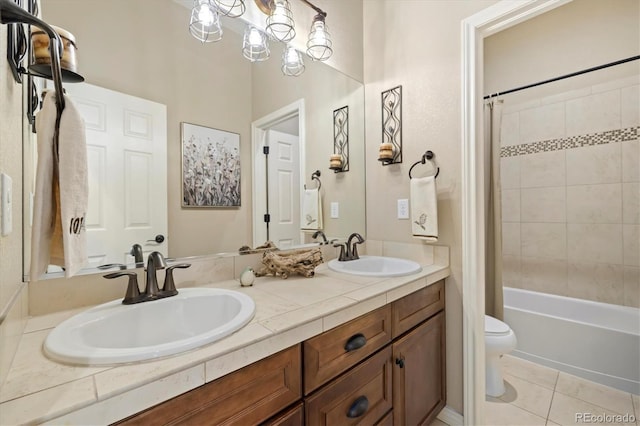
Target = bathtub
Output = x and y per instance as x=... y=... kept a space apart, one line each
x=597 y=341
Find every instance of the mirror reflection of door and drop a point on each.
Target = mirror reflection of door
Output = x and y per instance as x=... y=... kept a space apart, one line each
x=283 y=192
x=126 y=152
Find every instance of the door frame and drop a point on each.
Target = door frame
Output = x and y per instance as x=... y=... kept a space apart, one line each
x=258 y=134
x=491 y=20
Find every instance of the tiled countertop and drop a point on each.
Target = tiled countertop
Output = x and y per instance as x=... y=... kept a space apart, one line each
x=38 y=390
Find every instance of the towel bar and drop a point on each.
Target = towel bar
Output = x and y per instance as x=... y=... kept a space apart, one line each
x=315 y=176
x=429 y=155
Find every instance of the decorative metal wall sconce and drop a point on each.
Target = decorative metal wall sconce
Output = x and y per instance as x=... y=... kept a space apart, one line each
x=340 y=158
x=391 y=147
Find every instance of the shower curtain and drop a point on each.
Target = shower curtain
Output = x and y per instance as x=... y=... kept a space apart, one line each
x=493 y=248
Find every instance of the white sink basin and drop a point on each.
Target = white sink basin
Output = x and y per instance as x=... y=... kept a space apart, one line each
x=376 y=266
x=114 y=333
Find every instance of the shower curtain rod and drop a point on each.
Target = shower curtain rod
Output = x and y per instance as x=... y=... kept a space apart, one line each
x=562 y=77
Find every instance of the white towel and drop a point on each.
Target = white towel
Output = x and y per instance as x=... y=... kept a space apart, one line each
x=60 y=202
x=424 y=208
x=311 y=219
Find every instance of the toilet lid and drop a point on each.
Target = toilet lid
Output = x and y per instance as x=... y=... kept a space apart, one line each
x=495 y=326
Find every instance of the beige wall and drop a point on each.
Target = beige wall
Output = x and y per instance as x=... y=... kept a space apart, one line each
x=12 y=291
x=571 y=210
x=578 y=35
x=417 y=44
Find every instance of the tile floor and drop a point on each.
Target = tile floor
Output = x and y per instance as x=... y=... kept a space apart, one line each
x=538 y=395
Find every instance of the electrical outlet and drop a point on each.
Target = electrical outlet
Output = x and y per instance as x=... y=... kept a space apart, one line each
x=6 y=201
x=335 y=210
x=403 y=209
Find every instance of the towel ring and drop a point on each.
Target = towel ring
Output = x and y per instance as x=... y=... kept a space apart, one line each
x=315 y=176
x=429 y=155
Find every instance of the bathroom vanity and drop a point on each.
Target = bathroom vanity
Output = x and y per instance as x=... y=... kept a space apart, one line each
x=384 y=367
x=289 y=365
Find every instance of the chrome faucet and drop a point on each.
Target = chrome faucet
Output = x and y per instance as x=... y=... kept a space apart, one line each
x=155 y=261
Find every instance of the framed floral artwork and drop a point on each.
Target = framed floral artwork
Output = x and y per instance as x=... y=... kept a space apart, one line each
x=210 y=167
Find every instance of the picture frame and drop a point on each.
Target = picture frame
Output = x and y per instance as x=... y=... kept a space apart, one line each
x=210 y=167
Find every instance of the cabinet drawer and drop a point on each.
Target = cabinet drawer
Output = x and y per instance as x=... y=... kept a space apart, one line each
x=335 y=351
x=248 y=396
x=362 y=396
x=411 y=310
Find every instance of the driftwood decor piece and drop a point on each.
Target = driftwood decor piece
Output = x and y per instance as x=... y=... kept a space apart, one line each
x=269 y=245
x=283 y=265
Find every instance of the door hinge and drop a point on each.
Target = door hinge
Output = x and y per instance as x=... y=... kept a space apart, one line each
x=265 y=150
x=267 y=218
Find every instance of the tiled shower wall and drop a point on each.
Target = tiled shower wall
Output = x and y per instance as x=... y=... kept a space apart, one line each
x=571 y=193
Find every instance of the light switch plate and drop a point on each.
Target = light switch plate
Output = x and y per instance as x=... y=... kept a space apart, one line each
x=403 y=209
x=335 y=210
x=6 y=201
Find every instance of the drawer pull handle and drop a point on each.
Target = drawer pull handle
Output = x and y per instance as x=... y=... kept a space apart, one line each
x=359 y=407
x=400 y=362
x=355 y=342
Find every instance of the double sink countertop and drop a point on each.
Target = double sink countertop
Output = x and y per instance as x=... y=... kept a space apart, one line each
x=38 y=390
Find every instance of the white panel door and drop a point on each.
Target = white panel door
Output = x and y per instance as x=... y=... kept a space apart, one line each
x=127 y=156
x=284 y=189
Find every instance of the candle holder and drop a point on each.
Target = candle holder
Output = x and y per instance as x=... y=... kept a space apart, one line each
x=339 y=161
x=391 y=127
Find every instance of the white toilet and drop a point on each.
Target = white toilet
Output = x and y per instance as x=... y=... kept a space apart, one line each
x=499 y=339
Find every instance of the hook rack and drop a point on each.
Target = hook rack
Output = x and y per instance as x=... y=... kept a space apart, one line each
x=11 y=13
x=315 y=176
x=427 y=156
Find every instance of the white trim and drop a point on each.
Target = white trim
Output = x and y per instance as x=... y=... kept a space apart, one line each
x=450 y=416
x=493 y=19
x=258 y=132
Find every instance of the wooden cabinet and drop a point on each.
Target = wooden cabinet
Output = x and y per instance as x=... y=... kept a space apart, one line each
x=250 y=395
x=419 y=383
x=362 y=396
x=335 y=351
x=384 y=368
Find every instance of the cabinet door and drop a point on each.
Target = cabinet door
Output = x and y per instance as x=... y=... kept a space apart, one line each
x=362 y=396
x=419 y=382
x=248 y=396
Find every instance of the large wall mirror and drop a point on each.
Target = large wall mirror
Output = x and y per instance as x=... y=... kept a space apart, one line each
x=139 y=55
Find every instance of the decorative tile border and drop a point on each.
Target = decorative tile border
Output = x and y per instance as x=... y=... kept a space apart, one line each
x=610 y=136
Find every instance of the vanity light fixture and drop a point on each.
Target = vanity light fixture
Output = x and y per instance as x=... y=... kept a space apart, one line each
x=280 y=23
x=319 y=44
x=255 y=45
x=205 y=26
x=292 y=63
x=230 y=8
x=205 y=22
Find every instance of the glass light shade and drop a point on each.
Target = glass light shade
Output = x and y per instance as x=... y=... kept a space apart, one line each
x=230 y=8
x=280 y=23
x=292 y=63
x=319 y=43
x=205 y=22
x=255 y=45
